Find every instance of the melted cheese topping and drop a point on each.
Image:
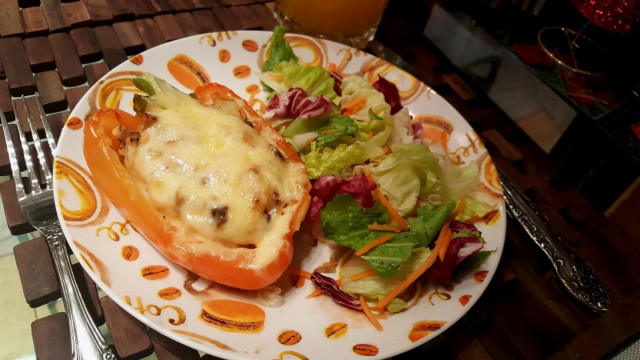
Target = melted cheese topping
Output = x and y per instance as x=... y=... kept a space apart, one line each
x=217 y=180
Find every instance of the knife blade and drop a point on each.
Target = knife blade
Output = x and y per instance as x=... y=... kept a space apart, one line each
x=576 y=277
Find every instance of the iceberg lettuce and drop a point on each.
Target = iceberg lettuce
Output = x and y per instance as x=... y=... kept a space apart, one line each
x=314 y=80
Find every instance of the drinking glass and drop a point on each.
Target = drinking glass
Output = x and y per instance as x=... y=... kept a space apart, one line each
x=351 y=22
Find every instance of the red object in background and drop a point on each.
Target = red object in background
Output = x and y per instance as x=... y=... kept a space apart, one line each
x=635 y=127
x=620 y=16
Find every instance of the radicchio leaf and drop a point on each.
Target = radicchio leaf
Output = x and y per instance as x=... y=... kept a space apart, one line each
x=460 y=248
x=327 y=187
x=295 y=103
x=417 y=132
x=331 y=288
x=390 y=92
x=337 y=82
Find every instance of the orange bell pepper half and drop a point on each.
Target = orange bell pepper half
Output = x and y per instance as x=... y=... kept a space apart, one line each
x=100 y=148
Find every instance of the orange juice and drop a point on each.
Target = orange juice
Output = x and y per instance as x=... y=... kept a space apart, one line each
x=339 y=20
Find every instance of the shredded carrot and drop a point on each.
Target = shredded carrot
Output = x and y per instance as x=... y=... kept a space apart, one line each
x=444 y=239
x=331 y=67
x=404 y=284
x=316 y=292
x=329 y=131
x=373 y=243
x=385 y=149
x=370 y=316
x=300 y=272
x=376 y=227
x=300 y=282
x=354 y=105
x=370 y=134
x=383 y=200
x=363 y=274
x=381 y=316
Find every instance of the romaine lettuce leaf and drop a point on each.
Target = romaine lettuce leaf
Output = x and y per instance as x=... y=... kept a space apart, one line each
x=314 y=80
x=339 y=126
x=279 y=50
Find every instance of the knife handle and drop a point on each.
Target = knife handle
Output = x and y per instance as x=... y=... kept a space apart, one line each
x=575 y=275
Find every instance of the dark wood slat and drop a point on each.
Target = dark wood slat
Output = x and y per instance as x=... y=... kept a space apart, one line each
x=35 y=22
x=162 y=6
x=2 y=74
x=86 y=44
x=167 y=349
x=188 y=23
x=53 y=13
x=264 y=15
x=89 y=293
x=141 y=8
x=67 y=59
x=74 y=94
x=51 y=92
x=5 y=99
x=227 y=18
x=129 y=335
x=37 y=272
x=98 y=10
x=28 y=3
x=121 y=9
x=76 y=14
x=169 y=27
x=51 y=338
x=39 y=53
x=112 y=50
x=150 y=33
x=182 y=5
x=203 y=4
x=129 y=36
x=207 y=21
x=95 y=71
x=16 y=66
x=15 y=221
x=10 y=23
x=56 y=122
x=248 y=19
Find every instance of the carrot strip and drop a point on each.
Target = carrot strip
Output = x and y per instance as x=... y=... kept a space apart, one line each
x=300 y=272
x=329 y=131
x=368 y=68
x=363 y=274
x=376 y=227
x=370 y=134
x=404 y=284
x=370 y=316
x=444 y=238
x=383 y=200
x=373 y=243
x=300 y=282
x=331 y=67
x=354 y=105
x=316 y=292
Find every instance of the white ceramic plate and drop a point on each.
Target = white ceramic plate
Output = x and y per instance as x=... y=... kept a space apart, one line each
x=170 y=301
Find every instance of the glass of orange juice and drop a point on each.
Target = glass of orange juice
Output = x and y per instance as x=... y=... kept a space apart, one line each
x=352 y=22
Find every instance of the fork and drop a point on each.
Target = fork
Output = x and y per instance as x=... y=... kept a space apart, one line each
x=37 y=206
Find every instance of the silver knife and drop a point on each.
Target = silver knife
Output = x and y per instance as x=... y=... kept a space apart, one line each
x=574 y=274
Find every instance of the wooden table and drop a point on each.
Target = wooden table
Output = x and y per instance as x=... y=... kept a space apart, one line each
x=61 y=48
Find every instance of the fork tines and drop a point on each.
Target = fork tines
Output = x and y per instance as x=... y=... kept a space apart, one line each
x=35 y=148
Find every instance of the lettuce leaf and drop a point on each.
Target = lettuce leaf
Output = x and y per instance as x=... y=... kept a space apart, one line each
x=474 y=209
x=411 y=171
x=339 y=126
x=279 y=50
x=314 y=80
x=374 y=287
x=328 y=161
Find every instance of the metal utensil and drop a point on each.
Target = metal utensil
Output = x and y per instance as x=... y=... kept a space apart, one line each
x=575 y=275
x=37 y=205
